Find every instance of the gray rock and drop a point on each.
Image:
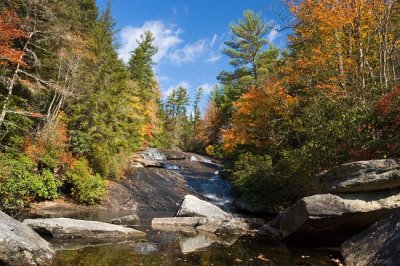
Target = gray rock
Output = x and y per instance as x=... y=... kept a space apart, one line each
x=193 y=206
x=187 y=230
x=359 y=176
x=174 y=155
x=129 y=220
x=379 y=245
x=178 y=221
x=229 y=226
x=147 y=162
x=217 y=221
x=333 y=215
x=153 y=154
x=65 y=228
x=199 y=158
x=20 y=245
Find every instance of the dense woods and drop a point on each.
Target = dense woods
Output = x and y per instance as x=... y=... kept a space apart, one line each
x=330 y=98
x=72 y=112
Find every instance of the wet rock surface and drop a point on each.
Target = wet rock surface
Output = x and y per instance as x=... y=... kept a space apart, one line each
x=20 y=245
x=378 y=245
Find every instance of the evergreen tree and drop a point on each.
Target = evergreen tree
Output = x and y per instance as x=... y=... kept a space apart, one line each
x=141 y=63
x=246 y=47
x=99 y=120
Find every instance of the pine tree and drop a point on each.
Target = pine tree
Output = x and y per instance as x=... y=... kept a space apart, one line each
x=99 y=123
x=246 y=49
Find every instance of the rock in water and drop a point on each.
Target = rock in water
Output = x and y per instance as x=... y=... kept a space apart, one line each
x=65 y=228
x=217 y=221
x=20 y=245
x=178 y=221
x=129 y=220
x=229 y=226
x=193 y=206
x=330 y=216
x=359 y=176
x=378 y=245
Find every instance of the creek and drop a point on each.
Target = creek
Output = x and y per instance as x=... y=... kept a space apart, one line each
x=176 y=248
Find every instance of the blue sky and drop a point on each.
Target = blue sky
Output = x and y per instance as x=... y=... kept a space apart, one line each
x=189 y=35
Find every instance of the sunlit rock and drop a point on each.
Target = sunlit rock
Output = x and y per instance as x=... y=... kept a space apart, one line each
x=20 y=245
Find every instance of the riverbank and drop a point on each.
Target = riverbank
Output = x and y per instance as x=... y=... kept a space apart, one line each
x=157 y=191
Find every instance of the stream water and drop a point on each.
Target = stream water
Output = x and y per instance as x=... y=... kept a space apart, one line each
x=176 y=248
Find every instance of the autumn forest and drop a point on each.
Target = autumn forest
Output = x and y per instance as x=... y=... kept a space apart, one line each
x=72 y=112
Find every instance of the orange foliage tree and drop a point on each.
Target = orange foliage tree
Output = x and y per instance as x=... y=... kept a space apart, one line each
x=208 y=130
x=261 y=117
x=343 y=45
x=10 y=31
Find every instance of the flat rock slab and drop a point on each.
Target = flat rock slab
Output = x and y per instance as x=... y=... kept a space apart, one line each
x=230 y=226
x=379 y=245
x=65 y=228
x=330 y=214
x=361 y=176
x=178 y=221
x=20 y=245
x=194 y=207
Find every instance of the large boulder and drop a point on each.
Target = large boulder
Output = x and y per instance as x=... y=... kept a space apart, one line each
x=359 y=176
x=193 y=206
x=377 y=245
x=335 y=217
x=65 y=228
x=20 y=245
x=217 y=221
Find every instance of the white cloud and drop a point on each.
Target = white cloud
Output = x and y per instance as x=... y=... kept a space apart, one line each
x=180 y=84
x=188 y=53
x=214 y=38
x=169 y=43
x=273 y=34
x=207 y=88
x=213 y=58
x=166 y=38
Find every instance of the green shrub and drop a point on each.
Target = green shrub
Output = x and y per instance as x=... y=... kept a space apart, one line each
x=86 y=187
x=21 y=182
x=258 y=179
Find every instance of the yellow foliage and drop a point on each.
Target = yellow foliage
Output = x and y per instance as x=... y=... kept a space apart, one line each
x=210 y=150
x=260 y=112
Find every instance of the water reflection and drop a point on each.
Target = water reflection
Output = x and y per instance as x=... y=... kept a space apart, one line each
x=244 y=251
